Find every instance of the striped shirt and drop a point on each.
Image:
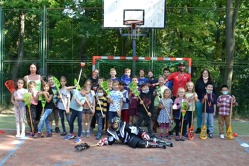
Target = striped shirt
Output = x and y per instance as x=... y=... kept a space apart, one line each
x=103 y=103
x=225 y=104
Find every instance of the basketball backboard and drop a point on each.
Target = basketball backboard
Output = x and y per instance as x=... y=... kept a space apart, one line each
x=149 y=13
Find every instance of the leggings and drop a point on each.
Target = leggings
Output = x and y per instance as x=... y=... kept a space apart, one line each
x=33 y=118
x=62 y=113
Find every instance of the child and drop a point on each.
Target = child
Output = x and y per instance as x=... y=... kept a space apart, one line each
x=101 y=104
x=142 y=114
x=224 y=102
x=54 y=116
x=164 y=117
x=88 y=109
x=126 y=77
x=116 y=101
x=76 y=107
x=158 y=92
x=192 y=98
x=34 y=101
x=177 y=113
x=63 y=104
x=113 y=74
x=133 y=103
x=47 y=93
x=19 y=108
x=210 y=100
x=126 y=101
x=142 y=79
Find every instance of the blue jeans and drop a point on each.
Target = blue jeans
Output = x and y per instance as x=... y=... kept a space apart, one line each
x=111 y=115
x=44 y=119
x=62 y=113
x=210 y=121
x=199 y=108
x=75 y=114
x=99 y=120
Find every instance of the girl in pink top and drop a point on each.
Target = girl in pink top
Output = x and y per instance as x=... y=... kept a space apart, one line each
x=19 y=108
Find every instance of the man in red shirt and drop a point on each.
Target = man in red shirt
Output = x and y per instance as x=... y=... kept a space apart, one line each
x=179 y=78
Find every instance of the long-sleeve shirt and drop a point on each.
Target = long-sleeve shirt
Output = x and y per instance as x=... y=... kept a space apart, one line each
x=225 y=104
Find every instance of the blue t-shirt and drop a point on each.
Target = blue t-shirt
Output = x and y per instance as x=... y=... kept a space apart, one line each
x=142 y=80
x=73 y=104
x=169 y=84
x=211 y=101
x=126 y=79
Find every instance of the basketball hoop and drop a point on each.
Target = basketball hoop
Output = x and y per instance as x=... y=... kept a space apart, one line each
x=133 y=23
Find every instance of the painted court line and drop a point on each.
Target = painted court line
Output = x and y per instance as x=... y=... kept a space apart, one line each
x=241 y=143
x=13 y=151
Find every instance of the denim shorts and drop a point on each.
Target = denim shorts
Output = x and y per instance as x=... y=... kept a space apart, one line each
x=87 y=111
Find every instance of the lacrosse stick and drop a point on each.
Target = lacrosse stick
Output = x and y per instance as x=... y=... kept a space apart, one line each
x=84 y=146
x=133 y=87
x=82 y=65
x=57 y=84
x=27 y=97
x=75 y=83
x=10 y=85
x=184 y=107
x=105 y=87
x=229 y=134
x=191 y=135
x=203 y=134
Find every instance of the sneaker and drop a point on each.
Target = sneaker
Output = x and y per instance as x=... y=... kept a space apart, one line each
x=77 y=140
x=198 y=131
x=49 y=134
x=161 y=135
x=37 y=135
x=69 y=136
x=222 y=136
x=210 y=135
x=63 y=133
x=31 y=135
x=168 y=137
x=83 y=133
x=177 y=138
x=182 y=139
x=98 y=136
x=87 y=134
x=23 y=135
x=18 y=136
x=57 y=130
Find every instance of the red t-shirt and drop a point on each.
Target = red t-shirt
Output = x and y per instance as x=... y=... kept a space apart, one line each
x=179 y=80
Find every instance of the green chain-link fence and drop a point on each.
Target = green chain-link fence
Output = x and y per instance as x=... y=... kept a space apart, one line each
x=57 y=43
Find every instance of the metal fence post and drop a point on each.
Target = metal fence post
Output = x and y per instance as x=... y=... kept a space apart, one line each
x=1 y=55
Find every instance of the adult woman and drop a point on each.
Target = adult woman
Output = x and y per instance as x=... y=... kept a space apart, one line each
x=200 y=89
x=34 y=76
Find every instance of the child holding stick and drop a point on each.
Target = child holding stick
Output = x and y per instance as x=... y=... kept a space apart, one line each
x=47 y=93
x=19 y=108
x=165 y=114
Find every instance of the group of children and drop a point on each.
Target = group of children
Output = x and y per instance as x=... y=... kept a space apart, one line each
x=152 y=105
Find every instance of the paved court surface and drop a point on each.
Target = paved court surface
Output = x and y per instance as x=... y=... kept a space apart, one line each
x=57 y=152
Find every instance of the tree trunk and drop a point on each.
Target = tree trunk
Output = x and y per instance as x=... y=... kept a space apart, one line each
x=20 y=46
x=231 y=17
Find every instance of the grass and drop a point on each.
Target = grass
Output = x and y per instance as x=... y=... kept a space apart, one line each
x=7 y=122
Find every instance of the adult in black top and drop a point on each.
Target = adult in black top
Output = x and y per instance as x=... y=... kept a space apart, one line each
x=200 y=89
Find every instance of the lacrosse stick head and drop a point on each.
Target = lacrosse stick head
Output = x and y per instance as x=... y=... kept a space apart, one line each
x=10 y=85
x=82 y=146
x=82 y=64
x=56 y=82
